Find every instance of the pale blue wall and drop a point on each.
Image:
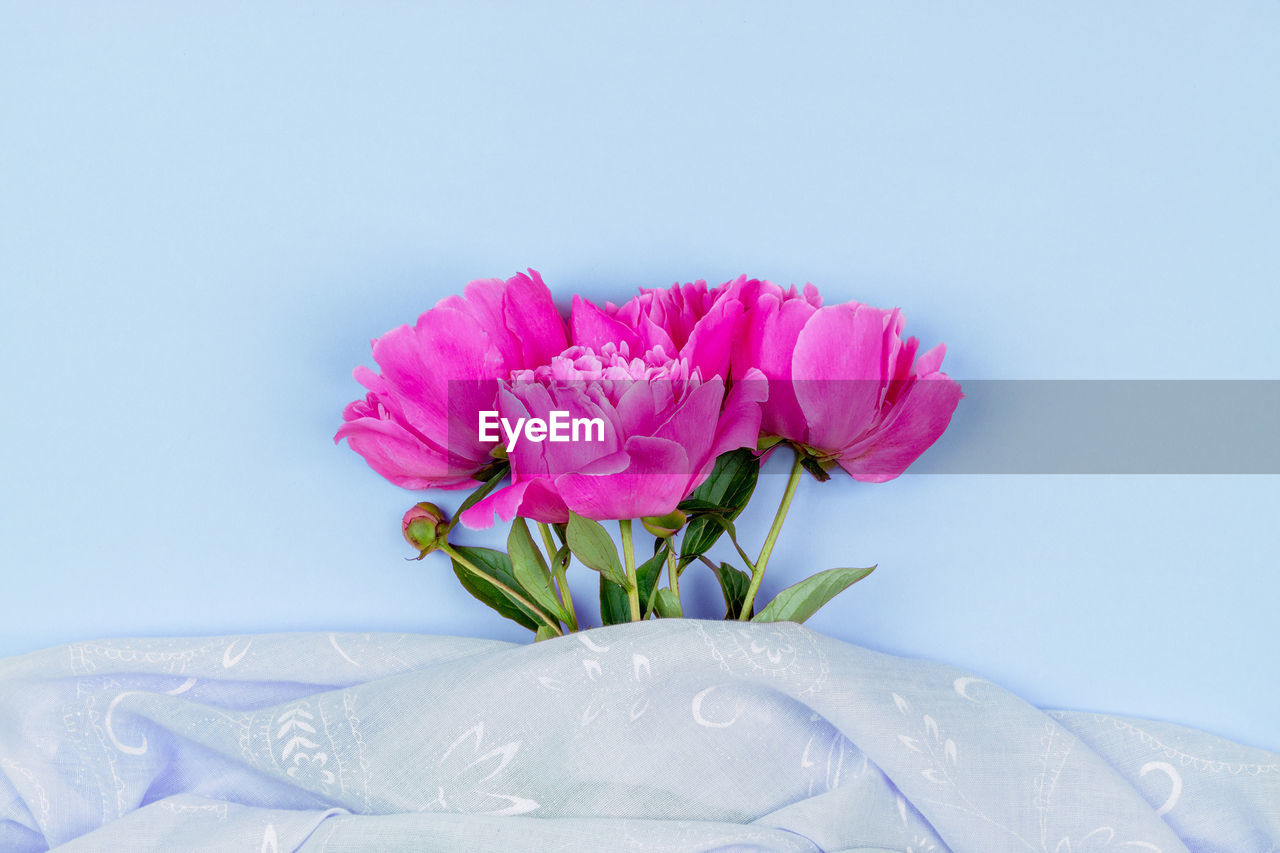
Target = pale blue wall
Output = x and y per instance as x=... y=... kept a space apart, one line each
x=206 y=214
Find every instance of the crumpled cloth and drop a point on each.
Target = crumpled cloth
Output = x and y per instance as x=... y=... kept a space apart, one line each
x=664 y=735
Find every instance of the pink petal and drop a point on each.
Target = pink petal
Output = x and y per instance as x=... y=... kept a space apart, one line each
x=710 y=346
x=365 y=407
x=654 y=482
x=653 y=335
x=527 y=458
x=930 y=362
x=898 y=365
x=613 y=463
x=417 y=366
x=593 y=328
x=912 y=427
x=839 y=372
x=768 y=344
x=531 y=316
x=399 y=456
x=640 y=404
x=463 y=368
x=535 y=499
x=484 y=302
x=548 y=458
x=739 y=424
x=403 y=374
x=688 y=424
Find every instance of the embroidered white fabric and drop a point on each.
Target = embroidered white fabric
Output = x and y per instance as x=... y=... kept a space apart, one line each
x=666 y=735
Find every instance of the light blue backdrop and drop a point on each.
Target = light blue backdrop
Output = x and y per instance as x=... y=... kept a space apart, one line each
x=205 y=215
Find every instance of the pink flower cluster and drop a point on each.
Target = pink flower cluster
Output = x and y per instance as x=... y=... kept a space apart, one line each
x=677 y=376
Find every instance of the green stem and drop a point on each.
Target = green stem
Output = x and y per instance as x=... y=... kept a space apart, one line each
x=629 y=563
x=548 y=542
x=510 y=593
x=673 y=571
x=757 y=573
x=558 y=569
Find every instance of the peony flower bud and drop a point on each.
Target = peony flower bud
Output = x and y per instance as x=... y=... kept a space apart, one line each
x=424 y=527
x=664 y=526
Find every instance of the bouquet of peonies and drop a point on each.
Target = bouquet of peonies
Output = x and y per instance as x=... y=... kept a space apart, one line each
x=659 y=411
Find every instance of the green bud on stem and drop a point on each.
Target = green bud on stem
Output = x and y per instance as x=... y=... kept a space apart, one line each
x=425 y=527
x=664 y=526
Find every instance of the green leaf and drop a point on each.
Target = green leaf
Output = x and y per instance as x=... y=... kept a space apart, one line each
x=731 y=481
x=733 y=584
x=614 y=605
x=799 y=601
x=729 y=487
x=531 y=571
x=695 y=505
x=594 y=547
x=479 y=494
x=647 y=574
x=816 y=468
x=667 y=605
x=544 y=632
x=497 y=565
x=727 y=526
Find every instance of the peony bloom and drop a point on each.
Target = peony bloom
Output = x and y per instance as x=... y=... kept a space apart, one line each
x=697 y=323
x=842 y=382
x=845 y=385
x=661 y=428
x=417 y=425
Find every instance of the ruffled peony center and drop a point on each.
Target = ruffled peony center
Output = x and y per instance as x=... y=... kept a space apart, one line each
x=581 y=365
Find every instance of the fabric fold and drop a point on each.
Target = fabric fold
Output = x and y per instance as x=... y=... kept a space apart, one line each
x=664 y=735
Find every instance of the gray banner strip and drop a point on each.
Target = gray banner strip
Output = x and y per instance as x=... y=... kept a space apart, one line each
x=1111 y=427
x=1086 y=426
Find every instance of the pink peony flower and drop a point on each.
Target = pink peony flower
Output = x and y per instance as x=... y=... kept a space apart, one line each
x=844 y=384
x=842 y=381
x=697 y=323
x=662 y=427
x=417 y=425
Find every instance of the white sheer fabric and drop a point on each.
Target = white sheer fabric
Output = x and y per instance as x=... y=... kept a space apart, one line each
x=667 y=735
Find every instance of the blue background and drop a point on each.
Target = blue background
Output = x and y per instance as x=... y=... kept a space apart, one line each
x=205 y=215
